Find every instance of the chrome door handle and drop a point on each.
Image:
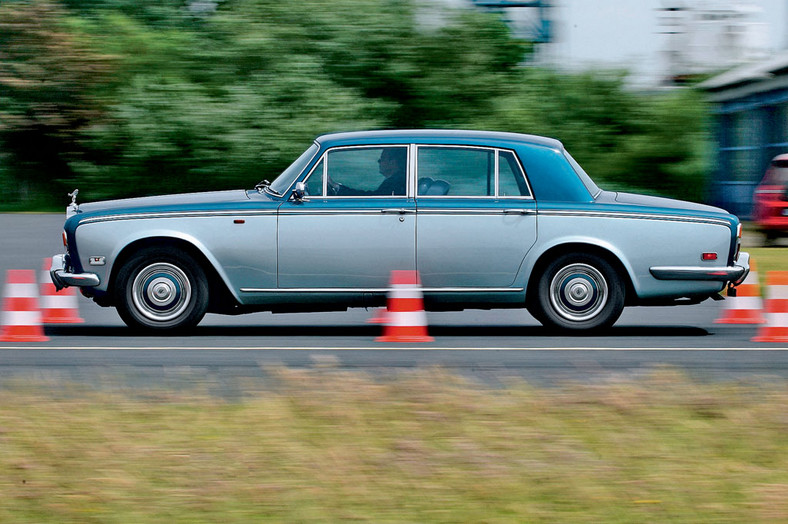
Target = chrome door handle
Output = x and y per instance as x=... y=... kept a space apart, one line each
x=397 y=211
x=519 y=211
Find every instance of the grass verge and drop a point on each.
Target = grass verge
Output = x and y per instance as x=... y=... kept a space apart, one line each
x=769 y=258
x=329 y=446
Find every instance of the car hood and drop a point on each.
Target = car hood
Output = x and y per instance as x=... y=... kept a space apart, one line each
x=191 y=199
x=632 y=199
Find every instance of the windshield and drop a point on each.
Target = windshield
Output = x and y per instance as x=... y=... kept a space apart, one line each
x=285 y=180
x=590 y=185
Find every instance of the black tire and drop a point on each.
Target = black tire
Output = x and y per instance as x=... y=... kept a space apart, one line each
x=161 y=289
x=579 y=292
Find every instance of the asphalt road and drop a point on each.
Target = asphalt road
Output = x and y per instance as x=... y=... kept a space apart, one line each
x=489 y=345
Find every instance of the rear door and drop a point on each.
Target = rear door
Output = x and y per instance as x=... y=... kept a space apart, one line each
x=476 y=218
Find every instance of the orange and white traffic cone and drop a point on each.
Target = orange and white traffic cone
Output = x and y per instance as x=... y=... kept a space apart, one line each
x=746 y=306
x=405 y=320
x=776 y=328
x=57 y=307
x=21 y=317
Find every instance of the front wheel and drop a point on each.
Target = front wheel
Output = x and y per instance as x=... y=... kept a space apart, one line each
x=579 y=292
x=161 y=289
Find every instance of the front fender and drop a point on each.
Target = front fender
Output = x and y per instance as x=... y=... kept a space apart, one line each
x=113 y=240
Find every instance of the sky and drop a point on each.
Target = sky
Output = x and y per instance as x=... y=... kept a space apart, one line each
x=625 y=33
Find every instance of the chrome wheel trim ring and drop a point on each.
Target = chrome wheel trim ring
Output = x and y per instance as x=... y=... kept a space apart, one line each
x=578 y=292
x=161 y=292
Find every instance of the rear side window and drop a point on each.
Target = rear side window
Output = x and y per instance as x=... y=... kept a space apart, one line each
x=469 y=172
x=464 y=172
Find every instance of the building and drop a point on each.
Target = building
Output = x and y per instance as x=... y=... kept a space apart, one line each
x=751 y=127
x=702 y=36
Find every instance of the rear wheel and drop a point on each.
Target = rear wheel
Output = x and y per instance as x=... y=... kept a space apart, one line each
x=580 y=292
x=161 y=289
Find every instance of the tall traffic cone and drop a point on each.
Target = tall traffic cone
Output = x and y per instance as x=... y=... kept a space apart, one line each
x=21 y=317
x=776 y=328
x=57 y=307
x=406 y=320
x=746 y=306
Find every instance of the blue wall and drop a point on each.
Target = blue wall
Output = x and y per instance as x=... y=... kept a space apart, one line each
x=750 y=131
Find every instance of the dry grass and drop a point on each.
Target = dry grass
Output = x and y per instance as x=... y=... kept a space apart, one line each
x=328 y=446
x=769 y=259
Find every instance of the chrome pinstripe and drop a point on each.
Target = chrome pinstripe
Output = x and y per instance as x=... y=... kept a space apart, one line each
x=385 y=290
x=177 y=214
x=636 y=216
x=465 y=211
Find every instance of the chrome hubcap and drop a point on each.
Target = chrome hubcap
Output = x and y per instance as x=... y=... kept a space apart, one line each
x=578 y=292
x=161 y=292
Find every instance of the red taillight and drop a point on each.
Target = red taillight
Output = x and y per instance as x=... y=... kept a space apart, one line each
x=65 y=240
x=709 y=256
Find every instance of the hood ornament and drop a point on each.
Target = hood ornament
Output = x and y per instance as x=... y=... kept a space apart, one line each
x=73 y=207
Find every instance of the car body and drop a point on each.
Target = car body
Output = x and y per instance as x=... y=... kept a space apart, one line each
x=488 y=219
x=771 y=200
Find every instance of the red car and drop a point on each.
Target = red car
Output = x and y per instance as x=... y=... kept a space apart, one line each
x=771 y=200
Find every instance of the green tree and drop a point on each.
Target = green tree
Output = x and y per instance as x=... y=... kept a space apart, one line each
x=653 y=142
x=50 y=91
x=133 y=97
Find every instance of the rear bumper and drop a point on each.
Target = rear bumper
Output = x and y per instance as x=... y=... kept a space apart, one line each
x=61 y=278
x=734 y=274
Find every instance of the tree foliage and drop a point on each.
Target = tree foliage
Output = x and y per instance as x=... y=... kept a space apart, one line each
x=132 y=97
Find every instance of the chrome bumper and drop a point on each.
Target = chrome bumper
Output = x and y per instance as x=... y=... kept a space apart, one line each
x=63 y=279
x=734 y=274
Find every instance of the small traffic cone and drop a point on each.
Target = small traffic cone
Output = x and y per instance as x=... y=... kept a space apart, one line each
x=21 y=317
x=57 y=307
x=405 y=320
x=776 y=328
x=746 y=306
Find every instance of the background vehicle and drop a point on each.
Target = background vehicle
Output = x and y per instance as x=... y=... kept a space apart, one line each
x=490 y=220
x=771 y=200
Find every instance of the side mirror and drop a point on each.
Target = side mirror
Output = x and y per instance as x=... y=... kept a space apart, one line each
x=299 y=191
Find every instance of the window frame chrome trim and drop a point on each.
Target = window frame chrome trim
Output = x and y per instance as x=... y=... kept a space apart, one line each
x=497 y=151
x=324 y=158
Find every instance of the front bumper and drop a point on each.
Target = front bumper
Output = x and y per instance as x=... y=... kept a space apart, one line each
x=734 y=274
x=61 y=278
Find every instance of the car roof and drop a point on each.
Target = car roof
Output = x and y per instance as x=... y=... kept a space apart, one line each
x=435 y=135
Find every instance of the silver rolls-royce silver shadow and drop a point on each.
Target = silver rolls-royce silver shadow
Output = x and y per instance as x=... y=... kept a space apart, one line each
x=489 y=220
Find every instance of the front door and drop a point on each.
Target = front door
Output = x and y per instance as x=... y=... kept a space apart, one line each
x=354 y=226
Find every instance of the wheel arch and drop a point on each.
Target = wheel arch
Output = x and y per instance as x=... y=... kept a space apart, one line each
x=579 y=247
x=219 y=295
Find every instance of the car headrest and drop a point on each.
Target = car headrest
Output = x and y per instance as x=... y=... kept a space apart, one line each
x=438 y=187
x=424 y=185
